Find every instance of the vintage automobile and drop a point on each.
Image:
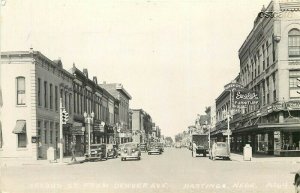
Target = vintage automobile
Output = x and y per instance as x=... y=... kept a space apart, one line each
x=297 y=182
x=98 y=152
x=143 y=147
x=120 y=147
x=178 y=145
x=161 y=147
x=219 y=150
x=111 y=151
x=154 y=148
x=130 y=151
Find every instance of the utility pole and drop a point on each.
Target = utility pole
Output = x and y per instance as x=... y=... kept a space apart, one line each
x=60 y=131
x=228 y=130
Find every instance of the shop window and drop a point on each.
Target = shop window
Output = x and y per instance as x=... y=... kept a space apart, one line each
x=45 y=132
x=21 y=91
x=294 y=43
x=22 y=140
x=51 y=132
x=20 y=131
x=51 y=136
x=262 y=142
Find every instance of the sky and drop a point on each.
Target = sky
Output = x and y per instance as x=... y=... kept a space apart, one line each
x=173 y=57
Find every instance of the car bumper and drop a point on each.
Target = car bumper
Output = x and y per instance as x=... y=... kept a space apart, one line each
x=154 y=151
x=130 y=157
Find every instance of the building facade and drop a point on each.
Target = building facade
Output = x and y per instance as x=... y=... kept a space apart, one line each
x=92 y=99
x=31 y=100
x=124 y=134
x=35 y=86
x=138 y=125
x=269 y=65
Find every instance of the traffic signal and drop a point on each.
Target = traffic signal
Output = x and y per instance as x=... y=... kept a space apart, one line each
x=64 y=117
x=298 y=85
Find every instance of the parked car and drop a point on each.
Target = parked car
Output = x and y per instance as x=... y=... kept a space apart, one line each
x=219 y=150
x=121 y=146
x=161 y=147
x=111 y=151
x=143 y=147
x=297 y=182
x=178 y=145
x=98 y=152
x=168 y=145
x=154 y=148
x=130 y=150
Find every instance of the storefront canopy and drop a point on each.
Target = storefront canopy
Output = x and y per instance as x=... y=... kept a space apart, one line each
x=20 y=127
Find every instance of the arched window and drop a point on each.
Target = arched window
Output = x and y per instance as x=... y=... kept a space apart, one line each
x=294 y=43
x=21 y=91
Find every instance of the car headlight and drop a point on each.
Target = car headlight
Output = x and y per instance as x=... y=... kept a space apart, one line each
x=133 y=150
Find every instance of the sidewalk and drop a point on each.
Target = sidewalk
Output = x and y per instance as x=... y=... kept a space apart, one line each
x=5 y=162
x=264 y=158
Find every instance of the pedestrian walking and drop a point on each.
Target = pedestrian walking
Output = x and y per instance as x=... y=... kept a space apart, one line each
x=73 y=151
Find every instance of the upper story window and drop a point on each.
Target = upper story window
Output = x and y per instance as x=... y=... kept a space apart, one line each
x=39 y=92
x=51 y=96
x=294 y=43
x=56 y=98
x=45 y=95
x=21 y=97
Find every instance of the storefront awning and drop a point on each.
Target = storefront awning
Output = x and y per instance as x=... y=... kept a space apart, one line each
x=20 y=127
x=280 y=125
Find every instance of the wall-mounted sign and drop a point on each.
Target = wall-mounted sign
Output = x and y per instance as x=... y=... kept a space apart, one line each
x=245 y=98
x=232 y=86
x=98 y=128
x=34 y=139
x=293 y=105
x=279 y=106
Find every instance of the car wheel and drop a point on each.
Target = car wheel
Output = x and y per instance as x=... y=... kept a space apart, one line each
x=204 y=154
x=297 y=185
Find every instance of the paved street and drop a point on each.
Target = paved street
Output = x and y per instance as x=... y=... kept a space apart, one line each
x=173 y=171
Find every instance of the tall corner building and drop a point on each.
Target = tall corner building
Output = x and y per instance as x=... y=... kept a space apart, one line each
x=270 y=64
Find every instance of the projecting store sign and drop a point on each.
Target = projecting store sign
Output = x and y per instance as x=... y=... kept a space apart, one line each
x=244 y=98
x=233 y=86
x=293 y=105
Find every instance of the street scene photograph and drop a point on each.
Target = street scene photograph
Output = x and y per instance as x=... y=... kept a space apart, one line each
x=134 y=96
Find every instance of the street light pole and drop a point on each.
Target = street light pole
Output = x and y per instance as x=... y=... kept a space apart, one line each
x=209 y=137
x=89 y=118
x=89 y=135
x=228 y=130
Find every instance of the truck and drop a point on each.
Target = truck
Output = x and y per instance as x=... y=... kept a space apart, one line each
x=199 y=144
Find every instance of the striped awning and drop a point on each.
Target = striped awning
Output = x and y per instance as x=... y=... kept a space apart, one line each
x=20 y=127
